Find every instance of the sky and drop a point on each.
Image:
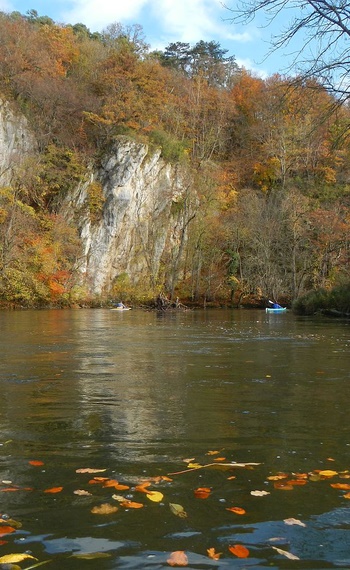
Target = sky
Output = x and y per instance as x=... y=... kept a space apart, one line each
x=166 y=21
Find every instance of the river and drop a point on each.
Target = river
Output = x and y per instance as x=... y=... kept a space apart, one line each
x=252 y=407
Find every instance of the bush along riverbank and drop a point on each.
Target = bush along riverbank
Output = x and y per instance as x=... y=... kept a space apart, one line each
x=335 y=302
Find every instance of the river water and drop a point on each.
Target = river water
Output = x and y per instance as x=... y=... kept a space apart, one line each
x=178 y=401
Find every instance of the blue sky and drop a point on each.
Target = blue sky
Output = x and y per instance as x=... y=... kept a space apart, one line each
x=166 y=21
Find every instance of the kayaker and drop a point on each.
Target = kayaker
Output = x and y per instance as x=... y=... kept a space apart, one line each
x=275 y=305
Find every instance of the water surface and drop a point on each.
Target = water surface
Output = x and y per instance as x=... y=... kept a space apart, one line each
x=137 y=394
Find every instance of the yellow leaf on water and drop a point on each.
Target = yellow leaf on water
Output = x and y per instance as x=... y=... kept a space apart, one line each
x=91 y=555
x=13 y=558
x=178 y=510
x=11 y=522
x=327 y=473
x=194 y=466
x=155 y=496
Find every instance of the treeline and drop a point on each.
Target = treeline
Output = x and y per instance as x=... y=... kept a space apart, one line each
x=269 y=159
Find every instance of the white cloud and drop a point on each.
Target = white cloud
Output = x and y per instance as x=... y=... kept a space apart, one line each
x=248 y=64
x=97 y=14
x=5 y=6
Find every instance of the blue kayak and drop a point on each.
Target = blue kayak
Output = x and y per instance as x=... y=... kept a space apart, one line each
x=276 y=309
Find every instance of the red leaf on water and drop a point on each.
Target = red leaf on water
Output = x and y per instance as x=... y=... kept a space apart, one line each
x=6 y=530
x=36 y=463
x=54 y=490
x=202 y=492
x=237 y=510
x=239 y=550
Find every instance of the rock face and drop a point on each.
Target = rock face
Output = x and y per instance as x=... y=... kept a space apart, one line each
x=141 y=227
x=137 y=226
x=16 y=142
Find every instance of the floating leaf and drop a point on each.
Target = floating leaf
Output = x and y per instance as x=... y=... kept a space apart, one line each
x=346 y=496
x=91 y=555
x=342 y=486
x=89 y=470
x=155 y=496
x=178 y=558
x=131 y=505
x=236 y=510
x=116 y=485
x=277 y=477
x=286 y=553
x=54 y=490
x=202 y=492
x=104 y=509
x=36 y=463
x=213 y=554
x=178 y=510
x=327 y=473
x=292 y=521
x=296 y=482
x=220 y=459
x=81 y=492
x=142 y=488
x=109 y=482
x=13 y=558
x=283 y=486
x=212 y=453
x=11 y=522
x=239 y=550
x=6 y=530
x=194 y=466
x=259 y=493
x=118 y=498
x=314 y=477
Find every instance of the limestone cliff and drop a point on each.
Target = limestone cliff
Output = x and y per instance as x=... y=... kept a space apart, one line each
x=137 y=227
x=16 y=142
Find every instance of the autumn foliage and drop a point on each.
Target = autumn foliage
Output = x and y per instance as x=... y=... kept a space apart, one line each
x=266 y=213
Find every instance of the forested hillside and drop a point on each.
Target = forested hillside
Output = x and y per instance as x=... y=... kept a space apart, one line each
x=267 y=211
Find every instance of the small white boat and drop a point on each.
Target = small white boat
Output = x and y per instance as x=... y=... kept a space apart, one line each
x=276 y=309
